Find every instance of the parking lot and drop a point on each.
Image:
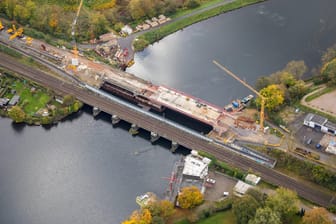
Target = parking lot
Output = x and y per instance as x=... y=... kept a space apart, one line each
x=223 y=184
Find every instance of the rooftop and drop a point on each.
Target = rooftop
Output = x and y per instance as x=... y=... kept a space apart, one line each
x=317 y=119
x=241 y=188
x=196 y=166
x=252 y=179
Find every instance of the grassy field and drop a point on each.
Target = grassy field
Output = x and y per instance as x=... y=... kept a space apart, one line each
x=30 y=101
x=226 y=217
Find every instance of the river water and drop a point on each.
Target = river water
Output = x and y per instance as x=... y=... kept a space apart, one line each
x=85 y=171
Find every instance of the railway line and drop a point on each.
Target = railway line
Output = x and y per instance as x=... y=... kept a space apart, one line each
x=170 y=132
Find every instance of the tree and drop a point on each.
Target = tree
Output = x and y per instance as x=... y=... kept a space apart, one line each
x=136 y=9
x=265 y=216
x=262 y=82
x=190 y=197
x=163 y=209
x=17 y=114
x=68 y=100
x=245 y=208
x=328 y=72
x=284 y=202
x=274 y=97
x=257 y=195
x=296 y=68
x=298 y=90
x=316 y=215
x=140 y=217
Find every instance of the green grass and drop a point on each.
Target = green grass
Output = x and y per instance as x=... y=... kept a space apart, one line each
x=31 y=102
x=320 y=93
x=182 y=12
x=226 y=217
x=155 y=35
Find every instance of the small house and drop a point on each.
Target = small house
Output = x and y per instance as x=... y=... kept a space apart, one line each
x=15 y=99
x=252 y=179
x=3 y=102
x=241 y=188
x=127 y=30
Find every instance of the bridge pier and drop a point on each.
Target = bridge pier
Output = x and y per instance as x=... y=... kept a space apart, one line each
x=115 y=119
x=95 y=111
x=154 y=136
x=134 y=130
x=174 y=146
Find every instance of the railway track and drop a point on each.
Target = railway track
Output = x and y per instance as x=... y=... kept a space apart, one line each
x=170 y=132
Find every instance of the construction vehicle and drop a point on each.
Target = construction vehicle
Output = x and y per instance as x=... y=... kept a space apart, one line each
x=1 y=26
x=12 y=30
x=29 y=41
x=262 y=107
x=17 y=33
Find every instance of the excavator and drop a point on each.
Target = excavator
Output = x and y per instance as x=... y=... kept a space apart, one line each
x=11 y=30
x=17 y=33
x=1 y=26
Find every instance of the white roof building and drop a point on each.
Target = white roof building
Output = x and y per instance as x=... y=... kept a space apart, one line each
x=331 y=147
x=252 y=179
x=196 y=165
x=127 y=30
x=241 y=188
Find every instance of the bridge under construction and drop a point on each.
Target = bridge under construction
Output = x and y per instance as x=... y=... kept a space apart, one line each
x=158 y=126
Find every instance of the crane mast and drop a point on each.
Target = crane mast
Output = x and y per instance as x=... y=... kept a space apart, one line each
x=262 y=107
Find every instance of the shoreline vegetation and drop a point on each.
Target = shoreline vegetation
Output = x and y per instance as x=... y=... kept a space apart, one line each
x=152 y=36
x=27 y=102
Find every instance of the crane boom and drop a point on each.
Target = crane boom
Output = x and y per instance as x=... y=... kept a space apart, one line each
x=262 y=103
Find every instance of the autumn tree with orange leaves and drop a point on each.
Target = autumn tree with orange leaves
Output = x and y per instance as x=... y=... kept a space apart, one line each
x=190 y=197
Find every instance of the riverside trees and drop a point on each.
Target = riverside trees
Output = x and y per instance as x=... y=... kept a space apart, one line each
x=55 y=16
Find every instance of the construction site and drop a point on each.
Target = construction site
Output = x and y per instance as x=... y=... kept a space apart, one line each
x=226 y=124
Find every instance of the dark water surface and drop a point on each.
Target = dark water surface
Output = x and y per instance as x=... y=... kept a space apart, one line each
x=85 y=171
x=252 y=42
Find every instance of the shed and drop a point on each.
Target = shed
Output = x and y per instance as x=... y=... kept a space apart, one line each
x=241 y=188
x=252 y=179
x=127 y=30
x=15 y=99
x=3 y=102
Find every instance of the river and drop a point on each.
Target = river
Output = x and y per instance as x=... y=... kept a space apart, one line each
x=85 y=171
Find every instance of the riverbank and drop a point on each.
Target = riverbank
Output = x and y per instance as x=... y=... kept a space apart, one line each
x=27 y=102
x=145 y=39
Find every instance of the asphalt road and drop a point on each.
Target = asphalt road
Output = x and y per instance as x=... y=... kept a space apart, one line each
x=170 y=132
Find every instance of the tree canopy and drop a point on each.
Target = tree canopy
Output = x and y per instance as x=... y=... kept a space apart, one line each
x=265 y=216
x=284 y=202
x=17 y=114
x=190 y=197
x=245 y=208
x=316 y=215
x=274 y=97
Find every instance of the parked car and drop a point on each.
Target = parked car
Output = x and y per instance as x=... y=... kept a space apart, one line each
x=211 y=181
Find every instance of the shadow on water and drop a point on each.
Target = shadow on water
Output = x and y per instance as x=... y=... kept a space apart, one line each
x=18 y=127
x=144 y=134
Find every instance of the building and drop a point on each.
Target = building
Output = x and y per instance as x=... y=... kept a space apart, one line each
x=241 y=188
x=320 y=123
x=15 y=99
x=252 y=179
x=3 y=102
x=195 y=171
x=127 y=30
x=331 y=147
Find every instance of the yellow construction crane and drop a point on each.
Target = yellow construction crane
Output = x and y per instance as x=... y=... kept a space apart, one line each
x=262 y=107
x=1 y=26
